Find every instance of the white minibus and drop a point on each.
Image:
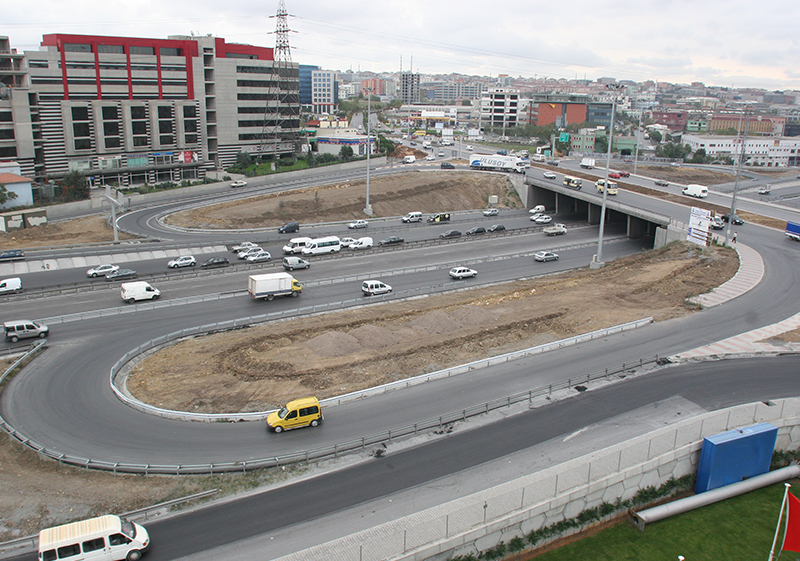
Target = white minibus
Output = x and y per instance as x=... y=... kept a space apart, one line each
x=105 y=538
x=331 y=244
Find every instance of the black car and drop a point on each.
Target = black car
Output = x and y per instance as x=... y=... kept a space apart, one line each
x=391 y=240
x=496 y=228
x=289 y=228
x=736 y=220
x=121 y=274
x=451 y=234
x=476 y=230
x=215 y=262
x=552 y=163
x=447 y=165
x=12 y=255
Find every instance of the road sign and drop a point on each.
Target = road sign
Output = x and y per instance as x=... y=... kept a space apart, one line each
x=563 y=137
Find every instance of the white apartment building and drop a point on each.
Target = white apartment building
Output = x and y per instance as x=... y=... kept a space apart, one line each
x=762 y=151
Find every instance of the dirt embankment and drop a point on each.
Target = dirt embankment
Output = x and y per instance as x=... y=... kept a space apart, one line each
x=389 y=196
x=263 y=367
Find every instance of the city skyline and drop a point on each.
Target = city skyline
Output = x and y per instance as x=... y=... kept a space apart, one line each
x=675 y=41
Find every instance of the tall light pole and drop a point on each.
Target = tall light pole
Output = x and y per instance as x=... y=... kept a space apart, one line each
x=738 y=172
x=597 y=260
x=638 y=140
x=368 y=208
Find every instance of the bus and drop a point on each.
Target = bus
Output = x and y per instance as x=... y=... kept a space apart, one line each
x=330 y=244
x=573 y=182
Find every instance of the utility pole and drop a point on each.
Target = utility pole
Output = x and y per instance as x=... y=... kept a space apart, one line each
x=368 y=207
x=738 y=172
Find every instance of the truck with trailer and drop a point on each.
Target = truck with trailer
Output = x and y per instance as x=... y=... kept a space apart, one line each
x=270 y=285
x=793 y=231
x=587 y=163
x=495 y=162
x=555 y=230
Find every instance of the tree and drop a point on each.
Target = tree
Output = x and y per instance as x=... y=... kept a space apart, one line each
x=243 y=160
x=6 y=195
x=345 y=153
x=601 y=145
x=466 y=102
x=699 y=157
x=673 y=150
x=655 y=136
x=74 y=186
x=385 y=146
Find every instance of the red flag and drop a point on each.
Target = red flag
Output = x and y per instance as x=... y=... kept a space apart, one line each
x=791 y=541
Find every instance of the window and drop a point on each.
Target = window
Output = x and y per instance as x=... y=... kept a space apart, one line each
x=166 y=139
x=189 y=111
x=137 y=161
x=143 y=50
x=111 y=128
x=292 y=415
x=80 y=130
x=110 y=112
x=5 y=116
x=93 y=545
x=117 y=539
x=6 y=134
x=77 y=48
x=68 y=551
x=83 y=144
x=140 y=141
x=139 y=127
x=165 y=126
x=49 y=555
x=80 y=113
x=112 y=142
x=170 y=51
x=190 y=126
x=164 y=112
x=138 y=112
x=190 y=139
x=117 y=49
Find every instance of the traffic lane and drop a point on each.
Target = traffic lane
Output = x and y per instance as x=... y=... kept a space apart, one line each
x=227 y=523
x=40 y=404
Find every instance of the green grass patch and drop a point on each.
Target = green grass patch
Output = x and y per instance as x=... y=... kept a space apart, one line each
x=740 y=528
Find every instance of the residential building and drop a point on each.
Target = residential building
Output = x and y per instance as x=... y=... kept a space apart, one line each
x=409 y=87
x=762 y=151
x=129 y=111
x=324 y=92
x=499 y=108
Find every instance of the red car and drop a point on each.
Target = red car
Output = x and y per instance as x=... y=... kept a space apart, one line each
x=624 y=174
x=615 y=175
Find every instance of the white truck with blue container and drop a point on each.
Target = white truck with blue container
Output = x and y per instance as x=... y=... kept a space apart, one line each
x=793 y=231
x=270 y=285
x=495 y=162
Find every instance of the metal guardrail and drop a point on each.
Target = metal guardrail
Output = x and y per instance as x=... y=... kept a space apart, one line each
x=342 y=447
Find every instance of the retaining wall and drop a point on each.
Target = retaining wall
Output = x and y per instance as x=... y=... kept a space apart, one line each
x=482 y=520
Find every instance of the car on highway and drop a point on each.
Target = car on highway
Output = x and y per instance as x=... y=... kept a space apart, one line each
x=305 y=412
x=101 y=270
x=242 y=246
x=245 y=253
x=496 y=228
x=661 y=183
x=290 y=263
x=361 y=243
x=430 y=158
x=552 y=163
x=121 y=274
x=358 y=224
x=259 y=257
x=441 y=153
x=347 y=242
x=549 y=175
x=373 y=287
x=450 y=234
x=447 y=165
x=545 y=256
x=468 y=148
x=736 y=219
x=12 y=285
x=476 y=231
x=624 y=173
x=765 y=190
x=23 y=329
x=491 y=212
x=182 y=261
x=12 y=255
x=615 y=175
x=542 y=219
x=412 y=143
x=239 y=183
x=216 y=262
x=716 y=223
x=462 y=273
x=391 y=240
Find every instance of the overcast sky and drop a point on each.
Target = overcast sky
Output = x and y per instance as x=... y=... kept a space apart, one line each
x=734 y=43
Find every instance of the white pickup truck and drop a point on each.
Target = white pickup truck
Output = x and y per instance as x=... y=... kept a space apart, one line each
x=555 y=230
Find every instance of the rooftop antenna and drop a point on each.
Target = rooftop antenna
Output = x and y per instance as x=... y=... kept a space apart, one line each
x=281 y=128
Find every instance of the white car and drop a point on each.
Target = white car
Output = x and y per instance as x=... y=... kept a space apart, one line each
x=242 y=246
x=430 y=157
x=468 y=148
x=347 y=242
x=358 y=224
x=239 y=183
x=462 y=272
x=549 y=175
x=373 y=287
x=542 y=219
x=245 y=253
x=491 y=212
x=259 y=256
x=183 y=261
x=441 y=153
x=101 y=270
x=362 y=243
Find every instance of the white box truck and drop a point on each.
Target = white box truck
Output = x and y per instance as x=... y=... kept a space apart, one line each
x=587 y=163
x=694 y=190
x=270 y=285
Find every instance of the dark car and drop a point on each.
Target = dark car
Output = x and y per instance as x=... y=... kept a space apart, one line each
x=552 y=163
x=447 y=165
x=624 y=174
x=215 y=262
x=391 y=240
x=476 y=230
x=120 y=274
x=289 y=228
x=496 y=228
x=450 y=234
x=12 y=255
x=736 y=220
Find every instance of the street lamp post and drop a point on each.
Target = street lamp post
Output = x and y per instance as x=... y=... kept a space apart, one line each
x=368 y=207
x=738 y=173
x=638 y=140
x=597 y=260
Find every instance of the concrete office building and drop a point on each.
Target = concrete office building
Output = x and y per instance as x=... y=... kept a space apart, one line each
x=130 y=111
x=499 y=108
x=762 y=151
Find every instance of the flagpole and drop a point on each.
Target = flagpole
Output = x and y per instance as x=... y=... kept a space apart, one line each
x=778 y=527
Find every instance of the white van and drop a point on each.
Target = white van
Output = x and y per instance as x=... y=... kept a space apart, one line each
x=331 y=244
x=296 y=245
x=7 y=286
x=361 y=243
x=412 y=217
x=373 y=287
x=409 y=159
x=694 y=190
x=105 y=538
x=538 y=209
x=140 y=290
x=24 y=329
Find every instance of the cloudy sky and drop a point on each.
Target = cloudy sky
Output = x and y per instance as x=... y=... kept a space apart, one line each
x=734 y=43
